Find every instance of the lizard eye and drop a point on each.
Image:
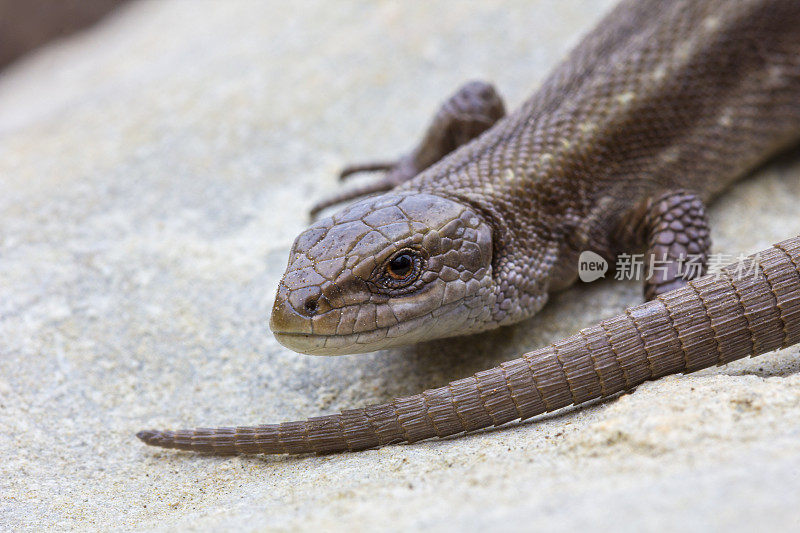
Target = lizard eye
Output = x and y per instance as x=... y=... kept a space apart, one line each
x=400 y=266
x=401 y=270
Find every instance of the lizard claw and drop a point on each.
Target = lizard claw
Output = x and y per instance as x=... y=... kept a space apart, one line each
x=373 y=166
x=381 y=185
x=395 y=174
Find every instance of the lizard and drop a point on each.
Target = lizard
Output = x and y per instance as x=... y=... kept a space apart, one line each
x=654 y=113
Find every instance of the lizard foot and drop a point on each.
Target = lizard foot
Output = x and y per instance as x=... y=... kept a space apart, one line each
x=678 y=241
x=473 y=109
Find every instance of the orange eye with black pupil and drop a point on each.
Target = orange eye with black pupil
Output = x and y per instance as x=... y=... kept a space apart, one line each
x=400 y=271
x=400 y=266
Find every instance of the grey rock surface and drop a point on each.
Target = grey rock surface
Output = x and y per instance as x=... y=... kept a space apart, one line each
x=153 y=173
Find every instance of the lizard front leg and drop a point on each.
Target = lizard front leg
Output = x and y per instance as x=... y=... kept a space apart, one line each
x=674 y=229
x=473 y=109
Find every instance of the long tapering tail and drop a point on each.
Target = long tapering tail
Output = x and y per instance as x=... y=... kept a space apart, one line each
x=748 y=308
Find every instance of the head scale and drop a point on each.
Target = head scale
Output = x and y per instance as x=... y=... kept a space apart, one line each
x=386 y=271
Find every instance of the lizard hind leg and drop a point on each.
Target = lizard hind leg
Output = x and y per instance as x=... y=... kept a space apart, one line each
x=473 y=109
x=677 y=241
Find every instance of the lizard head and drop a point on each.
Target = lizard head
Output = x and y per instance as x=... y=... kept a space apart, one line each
x=386 y=271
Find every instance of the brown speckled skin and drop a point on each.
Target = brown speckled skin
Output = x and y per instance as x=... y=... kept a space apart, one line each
x=659 y=108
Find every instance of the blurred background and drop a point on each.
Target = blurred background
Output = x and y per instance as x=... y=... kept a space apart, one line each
x=28 y=24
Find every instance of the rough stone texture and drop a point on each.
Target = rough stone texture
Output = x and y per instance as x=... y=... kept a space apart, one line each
x=154 y=172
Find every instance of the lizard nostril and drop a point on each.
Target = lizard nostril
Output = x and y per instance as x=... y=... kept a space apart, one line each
x=310 y=306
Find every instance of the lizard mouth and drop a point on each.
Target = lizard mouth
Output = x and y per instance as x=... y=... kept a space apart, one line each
x=401 y=334
x=312 y=344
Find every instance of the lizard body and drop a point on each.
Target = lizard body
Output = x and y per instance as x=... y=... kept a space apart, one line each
x=661 y=97
x=655 y=112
